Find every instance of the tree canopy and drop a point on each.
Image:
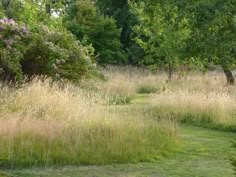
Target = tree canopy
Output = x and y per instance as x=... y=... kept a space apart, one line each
x=153 y=33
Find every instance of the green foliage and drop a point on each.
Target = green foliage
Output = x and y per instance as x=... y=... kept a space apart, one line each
x=42 y=51
x=44 y=47
x=214 y=28
x=125 y=19
x=1 y=12
x=56 y=53
x=14 y=39
x=162 y=32
x=86 y=22
x=3 y=174
x=158 y=34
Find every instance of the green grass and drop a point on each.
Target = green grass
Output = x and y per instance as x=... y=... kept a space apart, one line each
x=146 y=89
x=215 y=111
x=99 y=142
x=233 y=158
x=2 y=174
x=206 y=119
x=119 y=100
x=204 y=153
x=189 y=114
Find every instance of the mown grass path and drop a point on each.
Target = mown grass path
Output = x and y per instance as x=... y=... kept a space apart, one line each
x=203 y=153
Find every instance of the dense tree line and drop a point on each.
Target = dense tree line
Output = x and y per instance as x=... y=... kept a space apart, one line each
x=154 y=33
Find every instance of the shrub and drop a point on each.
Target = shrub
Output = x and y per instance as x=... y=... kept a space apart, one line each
x=57 y=54
x=14 y=39
x=41 y=51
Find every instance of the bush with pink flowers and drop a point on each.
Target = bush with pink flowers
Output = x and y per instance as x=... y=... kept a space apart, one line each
x=13 y=42
x=41 y=51
x=56 y=53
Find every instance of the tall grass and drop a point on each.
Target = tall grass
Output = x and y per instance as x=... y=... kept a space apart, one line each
x=45 y=123
x=123 y=83
x=200 y=99
x=208 y=110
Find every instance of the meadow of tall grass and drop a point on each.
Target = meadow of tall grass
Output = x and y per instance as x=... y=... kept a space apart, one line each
x=44 y=123
x=212 y=110
x=191 y=97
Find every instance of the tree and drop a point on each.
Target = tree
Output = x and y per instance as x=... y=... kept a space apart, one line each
x=85 y=21
x=125 y=19
x=119 y=10
x=162 y=32
x=213 y=34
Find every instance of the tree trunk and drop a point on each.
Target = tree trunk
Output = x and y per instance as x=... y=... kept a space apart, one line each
x=229 y=76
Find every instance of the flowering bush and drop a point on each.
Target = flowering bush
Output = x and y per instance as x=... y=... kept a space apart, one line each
x=13 y=39
x=41 y=51
x=56 y=53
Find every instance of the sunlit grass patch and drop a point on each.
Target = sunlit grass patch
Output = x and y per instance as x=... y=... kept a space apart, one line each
x=44 y=124
x=92 y=141
x=209 y=110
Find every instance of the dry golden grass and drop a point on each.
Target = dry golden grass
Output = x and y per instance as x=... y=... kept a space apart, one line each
x=127 y=81
x=190 y=97
x=212 y=108
x=45 y=123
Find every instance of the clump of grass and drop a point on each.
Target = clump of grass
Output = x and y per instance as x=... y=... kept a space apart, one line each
x=43 y=124
x=117 y=90
x=146 y=89
x=3 y=174
x=209 y=110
